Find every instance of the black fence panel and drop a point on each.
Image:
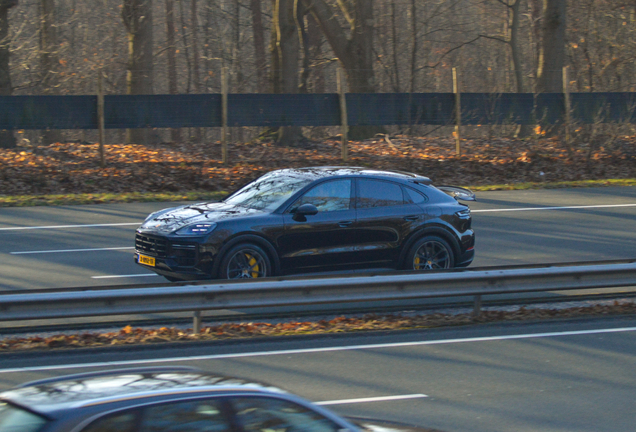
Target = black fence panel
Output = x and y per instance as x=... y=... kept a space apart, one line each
x=379 y=109
x=275 y=110
x=48 y=112
x=497 y=108
x=589 y=108
x=162 y=111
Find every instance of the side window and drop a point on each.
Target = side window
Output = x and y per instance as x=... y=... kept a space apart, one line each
x=191 y=416
x=375 y=193
x=329 y=196
x=415 y=197
x=259 y=414
x=125 y=421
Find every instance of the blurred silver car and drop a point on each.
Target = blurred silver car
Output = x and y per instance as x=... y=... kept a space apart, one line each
x=167 y=399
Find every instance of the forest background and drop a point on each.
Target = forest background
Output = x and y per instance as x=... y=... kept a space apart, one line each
x=59 y=47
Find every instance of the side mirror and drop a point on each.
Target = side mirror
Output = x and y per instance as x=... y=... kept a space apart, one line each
x=304 y=210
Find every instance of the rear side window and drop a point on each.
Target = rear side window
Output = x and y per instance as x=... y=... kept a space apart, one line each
x=260 y=414
x=415 y=197
x=376 y=193
x=15 y=419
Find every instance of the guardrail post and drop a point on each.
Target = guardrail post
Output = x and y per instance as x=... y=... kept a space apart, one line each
x=458 y=112
x=196 y=322
x=100 y=117
x=477 y=306
x=344 y=120
x=224 y=115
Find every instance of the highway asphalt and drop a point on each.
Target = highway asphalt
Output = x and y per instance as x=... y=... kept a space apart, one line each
x=551 y=377
x=90 y=245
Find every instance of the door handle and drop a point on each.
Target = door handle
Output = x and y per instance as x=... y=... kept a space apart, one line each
x=345 y=224
x=411 y=218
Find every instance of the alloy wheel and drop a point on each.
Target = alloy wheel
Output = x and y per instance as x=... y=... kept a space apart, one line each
x=432 y=255
x=246 y=264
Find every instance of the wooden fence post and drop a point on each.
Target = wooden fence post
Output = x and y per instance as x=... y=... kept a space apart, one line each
x=224 y=116
x=566 y=100
x=458 y=112
x=344 y=121
x=100 y=117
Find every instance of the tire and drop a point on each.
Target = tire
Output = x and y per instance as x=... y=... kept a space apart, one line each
x=245 y=261
x=430 y=253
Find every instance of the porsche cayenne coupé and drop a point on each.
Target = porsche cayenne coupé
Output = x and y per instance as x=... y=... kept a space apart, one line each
x=311 y=220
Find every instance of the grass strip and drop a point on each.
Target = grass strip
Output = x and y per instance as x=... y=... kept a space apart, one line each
x=129 y=197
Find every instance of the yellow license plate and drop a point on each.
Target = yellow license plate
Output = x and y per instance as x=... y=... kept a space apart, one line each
x=146 y=260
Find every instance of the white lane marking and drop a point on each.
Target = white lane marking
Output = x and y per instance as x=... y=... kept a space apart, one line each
x=69 y=226
x=123 y=276
x=552 y=208
x=70 y=250
x=371 y=399
x=320 y=350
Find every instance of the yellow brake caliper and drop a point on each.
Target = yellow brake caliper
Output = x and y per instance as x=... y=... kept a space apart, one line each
x=252 y=261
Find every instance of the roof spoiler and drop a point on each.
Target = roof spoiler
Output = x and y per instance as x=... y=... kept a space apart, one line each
x=459 y=193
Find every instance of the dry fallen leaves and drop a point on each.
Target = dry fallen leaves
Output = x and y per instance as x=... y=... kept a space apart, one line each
x=65 y=168
x=134 y=336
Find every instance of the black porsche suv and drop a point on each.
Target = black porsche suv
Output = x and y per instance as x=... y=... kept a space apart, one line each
x=310 y=220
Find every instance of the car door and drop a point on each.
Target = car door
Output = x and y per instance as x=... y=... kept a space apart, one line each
x=325 y=240
x=386 y=216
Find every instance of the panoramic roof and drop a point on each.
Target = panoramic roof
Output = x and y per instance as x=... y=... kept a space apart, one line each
x=319 y=172
x=47 y=397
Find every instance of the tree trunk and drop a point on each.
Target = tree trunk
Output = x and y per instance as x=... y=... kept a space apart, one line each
x=515 y=50
x=137 y=17
x=314 y=39
x=195 y=58
x=287 y=51
x=7 y=139
x=355 y=51
x=49 y=59
x=259 y=45
x=175 y=134
x=552 y=54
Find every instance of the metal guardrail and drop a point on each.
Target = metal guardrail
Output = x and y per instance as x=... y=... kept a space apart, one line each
x=87 y=302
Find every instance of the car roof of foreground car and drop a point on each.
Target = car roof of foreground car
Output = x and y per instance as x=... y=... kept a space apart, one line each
x=329 y=171
x=70 y=392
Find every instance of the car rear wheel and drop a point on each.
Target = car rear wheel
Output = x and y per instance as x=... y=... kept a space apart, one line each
x=245 y=261
x=430 y=253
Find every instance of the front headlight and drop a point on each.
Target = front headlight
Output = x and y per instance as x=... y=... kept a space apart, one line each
x=196 y=229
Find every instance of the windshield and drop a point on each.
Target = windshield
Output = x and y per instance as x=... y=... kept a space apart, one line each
x=268 y=192
x=15 y=419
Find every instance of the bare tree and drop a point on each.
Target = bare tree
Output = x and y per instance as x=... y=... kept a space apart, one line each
x=175 y=134
x=259 y=45
x=354 y=50
x=286 y=53
x=552 y=54
x=137 y=17
x=7 y=139
x=49 y=59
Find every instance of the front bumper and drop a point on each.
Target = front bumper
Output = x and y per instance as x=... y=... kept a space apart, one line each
x=175 y=258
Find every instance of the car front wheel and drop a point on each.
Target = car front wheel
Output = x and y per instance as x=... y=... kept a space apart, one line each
x=245 y=261
x=430 y=253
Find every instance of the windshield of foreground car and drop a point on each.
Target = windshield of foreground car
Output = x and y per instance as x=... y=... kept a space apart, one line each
x=15 y=419
x=268 y=192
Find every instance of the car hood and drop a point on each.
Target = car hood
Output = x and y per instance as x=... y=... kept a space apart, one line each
x=373 y=425
x=171 y=219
